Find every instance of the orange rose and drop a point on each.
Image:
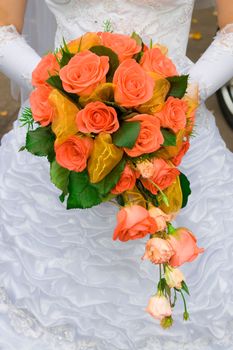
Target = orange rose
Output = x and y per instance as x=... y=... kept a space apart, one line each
x=150 y=137
x=133 y=86
x=155 y=61
x=84 y=72
x=47 y=66
x=184 y=149
x=124 y=46
x=184 y=244
x=158 y=251
x=74 y=152
x=173 y=114
x=97 y=117
x=164 y=175
x=133 y=222
x=126 y=182
x=42 y=111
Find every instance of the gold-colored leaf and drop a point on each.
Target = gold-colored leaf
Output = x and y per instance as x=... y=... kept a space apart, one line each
x=168 y=152
x=156 y=103
x=134 y=197
x=175 y=198
x=63 y=124
x=83 y=43
x=103 y=92
x=105 y=156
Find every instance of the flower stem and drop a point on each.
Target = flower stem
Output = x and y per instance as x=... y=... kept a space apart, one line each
x=186 y=314
x=164 y=197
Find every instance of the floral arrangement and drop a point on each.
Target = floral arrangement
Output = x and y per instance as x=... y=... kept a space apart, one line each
x=114 y=120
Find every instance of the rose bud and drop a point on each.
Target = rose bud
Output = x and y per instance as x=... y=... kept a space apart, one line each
x=174 y=277
x=159 y=307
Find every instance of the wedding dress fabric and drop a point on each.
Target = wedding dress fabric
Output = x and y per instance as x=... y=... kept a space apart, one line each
x=65 y=283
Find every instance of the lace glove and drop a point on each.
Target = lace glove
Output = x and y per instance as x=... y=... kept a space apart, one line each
x=17 y=58
x=215 y=67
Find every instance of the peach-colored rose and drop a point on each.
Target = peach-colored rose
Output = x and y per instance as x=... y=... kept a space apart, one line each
x=47 y=66
x=159 y=307
x=124 y=46
x=184 y=149
x=146 y=169
x=174 y=277
x=133 y=222
x=164 y=175
x=126 y=182
x=184 y=244
x=74 y=152
x=42 y=111
x=160 y=217
x=84 y=72
x=173 y=114
x=155 y=61
x=150 y=137
x=97 y=117
x=133 y=86
x=158 y=251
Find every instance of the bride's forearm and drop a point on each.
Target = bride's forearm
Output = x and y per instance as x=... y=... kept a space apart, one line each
x=17 y=58
x=215 y=67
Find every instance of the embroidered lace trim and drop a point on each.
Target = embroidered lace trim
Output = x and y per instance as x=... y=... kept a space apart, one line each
x=8 y=33
x=224 y=38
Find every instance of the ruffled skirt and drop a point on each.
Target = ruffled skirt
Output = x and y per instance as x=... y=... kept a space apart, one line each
x=67 y=285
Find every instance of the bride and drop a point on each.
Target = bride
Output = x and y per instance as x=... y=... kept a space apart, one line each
x=64 y=283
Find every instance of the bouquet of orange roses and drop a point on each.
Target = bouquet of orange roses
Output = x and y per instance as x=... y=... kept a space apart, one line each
x=114 y=122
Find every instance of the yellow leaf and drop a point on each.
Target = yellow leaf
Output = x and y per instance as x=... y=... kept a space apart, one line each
x=105 y=156
x=175 y=198
x=168 y=152
x=103 y=92
x=156 y=103
x=83 y=43
x=134 y=197
x=162 y=48
x=63 y=124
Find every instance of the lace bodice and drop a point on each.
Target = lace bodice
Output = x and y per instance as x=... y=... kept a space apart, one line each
x=166 y=21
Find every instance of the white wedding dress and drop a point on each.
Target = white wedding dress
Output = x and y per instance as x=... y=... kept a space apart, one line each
x=65 y=284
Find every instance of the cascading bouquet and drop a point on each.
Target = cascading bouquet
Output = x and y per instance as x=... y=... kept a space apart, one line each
x=114 y=122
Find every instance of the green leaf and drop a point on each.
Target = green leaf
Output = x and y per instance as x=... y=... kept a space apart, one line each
x=82 y=194
x=127 y=134
x=120 y=200
x=40 y=142
x=66 y=57
x=178 y=86
x=62 y=197
x=55 y=81
x=185 y=287
x=27 y=118
x=110 y=181
x=22 y=149
x=59 y=177
x=169 y=137
x=137 y=38
x=162 y=284
x=185 y=187
x=113 y=59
